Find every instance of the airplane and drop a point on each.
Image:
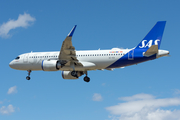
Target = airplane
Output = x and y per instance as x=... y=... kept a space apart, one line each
x=74 y=64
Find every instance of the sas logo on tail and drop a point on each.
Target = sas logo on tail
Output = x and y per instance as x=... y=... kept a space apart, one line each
x=149 y=44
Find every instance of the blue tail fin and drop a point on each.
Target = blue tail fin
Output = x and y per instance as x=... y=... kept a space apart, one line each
x=154 y=36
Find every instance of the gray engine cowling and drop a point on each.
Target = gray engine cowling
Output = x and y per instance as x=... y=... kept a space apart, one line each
x=67 y=75
x=50 y=65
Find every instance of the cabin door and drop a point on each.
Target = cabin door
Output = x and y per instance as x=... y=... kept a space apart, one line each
x=131 y=55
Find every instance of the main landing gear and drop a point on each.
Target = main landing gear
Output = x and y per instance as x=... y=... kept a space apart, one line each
x=86 y=78
x=28 y=77
x=75 y=74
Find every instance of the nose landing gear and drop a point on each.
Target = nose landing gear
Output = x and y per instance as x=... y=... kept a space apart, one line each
x=28 y=77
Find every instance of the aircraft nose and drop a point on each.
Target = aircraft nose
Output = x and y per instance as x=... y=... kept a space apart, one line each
x=11 y=64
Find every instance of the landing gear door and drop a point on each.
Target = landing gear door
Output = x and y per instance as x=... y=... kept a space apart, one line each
x=26 y=58
x=131 y=55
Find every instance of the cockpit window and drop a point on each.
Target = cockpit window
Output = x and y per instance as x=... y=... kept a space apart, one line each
x=17 y=58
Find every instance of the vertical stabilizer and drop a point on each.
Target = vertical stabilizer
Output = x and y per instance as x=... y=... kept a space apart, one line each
x=154 y=36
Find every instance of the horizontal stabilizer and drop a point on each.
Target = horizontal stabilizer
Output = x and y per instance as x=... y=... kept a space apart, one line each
x=151 y=51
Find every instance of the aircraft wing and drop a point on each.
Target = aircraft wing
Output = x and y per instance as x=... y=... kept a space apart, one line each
x=67 y=53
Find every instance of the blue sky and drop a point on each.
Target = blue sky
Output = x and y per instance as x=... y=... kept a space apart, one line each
x=145 y=91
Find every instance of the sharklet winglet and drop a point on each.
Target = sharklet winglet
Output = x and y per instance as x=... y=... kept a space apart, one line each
x=72 y=31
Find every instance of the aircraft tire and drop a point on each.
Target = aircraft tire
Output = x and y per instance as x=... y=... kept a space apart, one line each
x=28 y=78
x=74 y=73
x=86 y=79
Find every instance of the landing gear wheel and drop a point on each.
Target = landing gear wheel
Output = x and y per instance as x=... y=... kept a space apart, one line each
x=28 y=78
x=86 y=79
x=74 y=73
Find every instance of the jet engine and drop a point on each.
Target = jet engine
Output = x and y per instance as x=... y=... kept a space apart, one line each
x=50 y=65
x=67 y=74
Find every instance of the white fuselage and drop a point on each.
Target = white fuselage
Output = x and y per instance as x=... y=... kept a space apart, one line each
x=100 y=58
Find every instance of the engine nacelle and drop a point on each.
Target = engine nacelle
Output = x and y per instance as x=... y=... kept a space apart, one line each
x=50 y=65
x=67 y=75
